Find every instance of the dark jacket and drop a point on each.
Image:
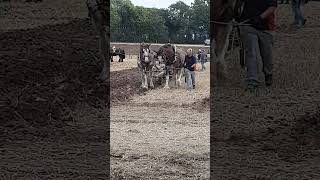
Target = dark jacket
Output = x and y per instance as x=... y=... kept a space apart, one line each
x=203 y=57
x=254 y=8
x=189 y=61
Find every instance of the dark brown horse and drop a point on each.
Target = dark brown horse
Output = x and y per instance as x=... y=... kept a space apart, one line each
x=173 y=58
x=222 y=15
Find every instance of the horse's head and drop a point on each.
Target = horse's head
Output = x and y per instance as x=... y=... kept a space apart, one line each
x=146 y=55
x=144 y=45
x=166 y=54
x=145 y=52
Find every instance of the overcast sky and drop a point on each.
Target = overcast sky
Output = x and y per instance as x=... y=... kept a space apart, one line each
x=158 y=3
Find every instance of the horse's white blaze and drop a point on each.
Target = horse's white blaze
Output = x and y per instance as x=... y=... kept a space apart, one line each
x=146 y=55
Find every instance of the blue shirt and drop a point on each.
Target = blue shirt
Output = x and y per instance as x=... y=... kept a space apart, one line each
x=189 y=61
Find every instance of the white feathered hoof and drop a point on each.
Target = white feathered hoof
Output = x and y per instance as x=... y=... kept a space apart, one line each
x=179 y=84
x=144 y=87
x=166 y=87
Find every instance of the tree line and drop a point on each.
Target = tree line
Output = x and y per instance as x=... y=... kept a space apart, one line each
x=179 y=23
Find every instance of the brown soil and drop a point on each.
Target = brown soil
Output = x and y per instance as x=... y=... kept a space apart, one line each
x=48 y=71
x=53 y=124
x=124 y=85
x=162 y=135
x=53 y=116
x=269 y=135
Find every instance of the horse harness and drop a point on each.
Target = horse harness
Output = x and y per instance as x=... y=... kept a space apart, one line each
x=237 y=12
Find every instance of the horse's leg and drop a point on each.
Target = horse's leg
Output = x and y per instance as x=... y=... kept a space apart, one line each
x=167 y=81
x=222 y=42
x=151 y=79
x=142 y=77
x=99 y=23
x=145 y=80
x=104 y=53
x=180 y=77
x=176 y=79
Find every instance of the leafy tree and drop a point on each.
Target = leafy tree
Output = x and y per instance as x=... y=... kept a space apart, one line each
x=178 y=17
x=200 y=18
x=179 y=23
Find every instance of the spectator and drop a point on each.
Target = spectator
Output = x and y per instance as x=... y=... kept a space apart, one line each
x=203 y=59
x=299 y=20
x=199 y=55
x=190 y=65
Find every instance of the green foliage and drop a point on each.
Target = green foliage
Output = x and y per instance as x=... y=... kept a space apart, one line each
x=179 y=23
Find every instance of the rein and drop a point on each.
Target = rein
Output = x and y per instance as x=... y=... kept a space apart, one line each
x=234 y=24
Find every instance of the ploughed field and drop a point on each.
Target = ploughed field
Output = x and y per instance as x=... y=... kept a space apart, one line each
x=53 y=124
x=276 y=134
x=160 y=133
x=53 y=121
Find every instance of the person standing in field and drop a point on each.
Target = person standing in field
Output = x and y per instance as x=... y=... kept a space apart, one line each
x=190 y=67
x=203 y=59
x=299 y=20
x=199 y=55
x=258 y=38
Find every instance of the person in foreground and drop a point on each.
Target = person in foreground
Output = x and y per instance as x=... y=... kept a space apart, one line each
x=258 y=38
x=190 y=65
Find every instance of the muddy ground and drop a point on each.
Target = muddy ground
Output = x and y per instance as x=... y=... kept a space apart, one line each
x=274 y=134
x=54 y=122
x=53 y=109
x=162 y=134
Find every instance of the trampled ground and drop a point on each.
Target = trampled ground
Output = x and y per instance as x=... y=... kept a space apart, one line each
x=155 y=133
x=274 y=135
x=162 y=134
